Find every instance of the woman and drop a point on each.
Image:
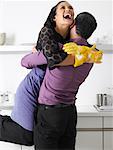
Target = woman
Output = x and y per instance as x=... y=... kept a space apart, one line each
x=19 y=128
x=54 y=115
x=56 y=30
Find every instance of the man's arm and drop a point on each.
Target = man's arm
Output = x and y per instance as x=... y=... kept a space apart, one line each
x=69 y=60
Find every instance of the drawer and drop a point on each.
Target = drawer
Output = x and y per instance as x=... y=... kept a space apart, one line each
x=89 y=122
x=108 y=122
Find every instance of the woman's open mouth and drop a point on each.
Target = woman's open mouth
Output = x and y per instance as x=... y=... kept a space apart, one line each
x=68 y=17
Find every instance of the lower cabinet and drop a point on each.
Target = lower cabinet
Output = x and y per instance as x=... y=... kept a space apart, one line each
x=89 y=140
x=9 y=146
x=94 y=133
x=108 y=133
x=89 y=133
x=108 y=140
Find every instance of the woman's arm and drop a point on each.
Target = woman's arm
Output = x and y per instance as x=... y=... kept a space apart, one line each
x=49 y=43
x=34 y=59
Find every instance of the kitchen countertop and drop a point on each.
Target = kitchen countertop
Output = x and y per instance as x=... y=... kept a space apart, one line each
x=90 y=110
x=83 y=110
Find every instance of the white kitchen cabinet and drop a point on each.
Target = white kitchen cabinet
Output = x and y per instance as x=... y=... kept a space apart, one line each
x=27 y=147
x=108 y=140
x=108 y=133
x=89 y=133
x=9 y=146
x=89 y=140
x=87 y=122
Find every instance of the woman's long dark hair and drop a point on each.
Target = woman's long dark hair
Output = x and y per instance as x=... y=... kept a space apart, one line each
x=50 y=22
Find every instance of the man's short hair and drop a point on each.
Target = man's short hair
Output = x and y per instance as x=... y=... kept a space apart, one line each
x=85 y=24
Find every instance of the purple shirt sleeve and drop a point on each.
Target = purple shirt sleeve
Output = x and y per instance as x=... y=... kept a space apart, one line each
x=33 y=60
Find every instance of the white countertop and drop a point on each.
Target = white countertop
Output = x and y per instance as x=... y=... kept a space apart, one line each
x=90 y=110
x=83 y=110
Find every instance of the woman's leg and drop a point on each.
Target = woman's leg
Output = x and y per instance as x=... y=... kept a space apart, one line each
x=26 y=99
x=12 y=132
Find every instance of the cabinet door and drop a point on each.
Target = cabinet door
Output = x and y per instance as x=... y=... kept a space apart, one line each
x=9 y=146
x=89 y=133
x=89 y=122
x=108 y=133
x=108 y=140
x=89 y=140
x=27 y=147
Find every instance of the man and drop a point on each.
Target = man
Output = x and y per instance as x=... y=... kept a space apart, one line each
x=57 y=115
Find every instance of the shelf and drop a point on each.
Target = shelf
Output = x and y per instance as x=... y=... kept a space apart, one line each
x=19 y=49
x=15 y=49
x=106 y=48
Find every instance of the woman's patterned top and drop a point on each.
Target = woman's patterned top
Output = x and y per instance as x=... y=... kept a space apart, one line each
x=48 y=41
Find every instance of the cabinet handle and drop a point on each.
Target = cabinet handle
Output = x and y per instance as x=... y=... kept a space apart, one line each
x=94 y=129
x=89 y=129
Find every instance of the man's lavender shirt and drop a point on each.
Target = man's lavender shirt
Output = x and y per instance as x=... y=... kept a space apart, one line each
x=61 y=84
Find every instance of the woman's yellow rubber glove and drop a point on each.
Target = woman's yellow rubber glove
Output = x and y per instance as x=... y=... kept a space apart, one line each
x=83 y=53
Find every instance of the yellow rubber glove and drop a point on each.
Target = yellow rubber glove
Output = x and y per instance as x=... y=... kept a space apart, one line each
x=77 y=51
x=95 y=56
x=73 y=48
x=83 y=53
